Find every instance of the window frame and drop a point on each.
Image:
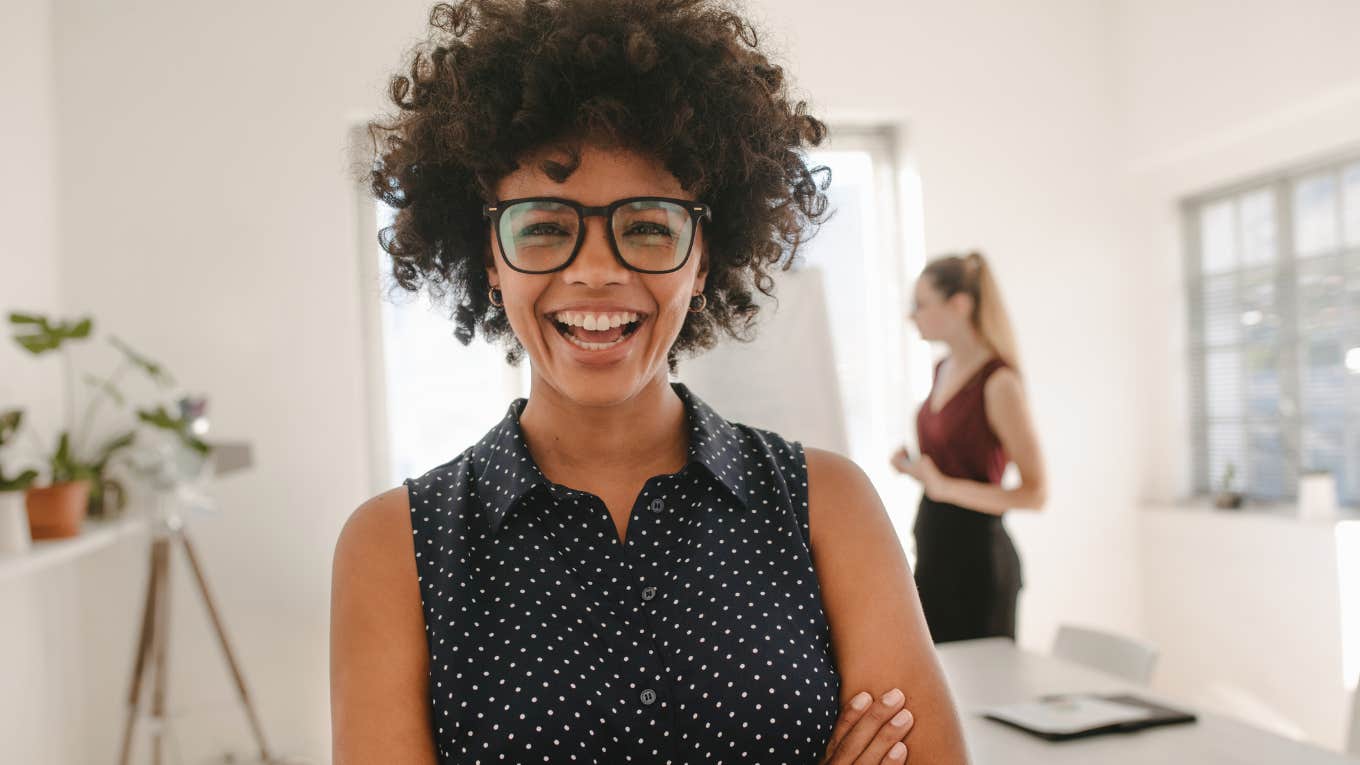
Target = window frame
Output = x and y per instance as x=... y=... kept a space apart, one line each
x=1290 y=340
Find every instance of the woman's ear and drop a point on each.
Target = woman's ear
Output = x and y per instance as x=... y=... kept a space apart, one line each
x=489 y=263
x=701 y=276
x=962 y=304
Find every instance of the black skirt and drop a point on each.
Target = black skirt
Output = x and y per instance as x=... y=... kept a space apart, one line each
x=967 y=573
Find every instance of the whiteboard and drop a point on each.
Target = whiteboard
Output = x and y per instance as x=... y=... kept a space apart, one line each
x=785 y=379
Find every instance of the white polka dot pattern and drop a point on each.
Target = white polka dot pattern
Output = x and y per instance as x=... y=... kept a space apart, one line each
x=700 y=638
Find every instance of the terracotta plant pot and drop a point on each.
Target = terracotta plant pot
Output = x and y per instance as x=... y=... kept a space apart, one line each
x=56 y=512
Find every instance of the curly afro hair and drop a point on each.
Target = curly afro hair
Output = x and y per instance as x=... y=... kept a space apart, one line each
x=682 y=81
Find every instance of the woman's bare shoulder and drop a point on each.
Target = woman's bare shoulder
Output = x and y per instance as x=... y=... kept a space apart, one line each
x=839 y=490
x=375 y=549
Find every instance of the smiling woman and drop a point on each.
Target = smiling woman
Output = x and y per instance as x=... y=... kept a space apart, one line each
x=679 y=81
x=614 y=572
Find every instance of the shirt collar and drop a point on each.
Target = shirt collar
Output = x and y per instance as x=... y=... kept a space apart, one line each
x=506 y=472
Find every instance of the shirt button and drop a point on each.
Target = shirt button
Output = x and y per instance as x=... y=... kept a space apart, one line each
x=658 y=505
x=648 y=593
x=648 y=697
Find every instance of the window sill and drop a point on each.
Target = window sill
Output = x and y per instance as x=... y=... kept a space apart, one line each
x=1282 y=510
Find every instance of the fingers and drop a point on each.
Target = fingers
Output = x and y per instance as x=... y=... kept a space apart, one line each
x=896 y=755
x=870 y=737
x=851 y=711
x=888 y=738
x=899 y=460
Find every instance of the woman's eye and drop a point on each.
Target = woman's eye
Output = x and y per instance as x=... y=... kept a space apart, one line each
x=649 y=229
x=542 y=229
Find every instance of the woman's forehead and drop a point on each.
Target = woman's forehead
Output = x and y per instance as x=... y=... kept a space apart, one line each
x=594 y=175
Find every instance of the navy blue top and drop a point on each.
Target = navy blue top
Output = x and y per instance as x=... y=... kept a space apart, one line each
x=701 y=638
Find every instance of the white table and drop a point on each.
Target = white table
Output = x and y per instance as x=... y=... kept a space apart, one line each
x=984 y=673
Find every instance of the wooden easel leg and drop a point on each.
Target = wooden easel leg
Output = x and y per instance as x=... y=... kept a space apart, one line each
x=226 y=646
x=144 y=640
x=162 y=636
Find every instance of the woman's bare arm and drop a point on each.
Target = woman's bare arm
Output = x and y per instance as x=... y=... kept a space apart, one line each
x=878 y=632
x=379 y=657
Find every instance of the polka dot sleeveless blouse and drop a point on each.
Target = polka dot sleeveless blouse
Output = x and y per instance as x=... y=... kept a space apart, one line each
x=699 y=638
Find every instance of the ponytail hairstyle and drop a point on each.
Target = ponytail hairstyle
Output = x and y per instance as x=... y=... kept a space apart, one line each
x=970 y=274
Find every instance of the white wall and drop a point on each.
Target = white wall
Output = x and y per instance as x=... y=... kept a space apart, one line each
x=1212 y=92
x=1215 y=91
x=203 y=172
x=35 y=649
x=1253 y=631
x=29 y=267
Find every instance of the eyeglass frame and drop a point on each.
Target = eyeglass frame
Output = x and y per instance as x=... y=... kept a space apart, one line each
x=698 y=211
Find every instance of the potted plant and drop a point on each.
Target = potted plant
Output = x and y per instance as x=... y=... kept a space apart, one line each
x=14 y=532
x=1228 y=498
x=78 y=484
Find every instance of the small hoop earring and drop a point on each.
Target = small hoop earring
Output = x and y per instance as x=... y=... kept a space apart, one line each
x=494 y=295
x=698 y=303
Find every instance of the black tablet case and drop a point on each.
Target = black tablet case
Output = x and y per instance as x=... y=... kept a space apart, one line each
x=1158 y=715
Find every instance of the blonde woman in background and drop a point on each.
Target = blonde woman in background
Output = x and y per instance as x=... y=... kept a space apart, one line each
x=974 y=422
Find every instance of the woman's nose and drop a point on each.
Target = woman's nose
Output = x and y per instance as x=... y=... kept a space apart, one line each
x=596 y=261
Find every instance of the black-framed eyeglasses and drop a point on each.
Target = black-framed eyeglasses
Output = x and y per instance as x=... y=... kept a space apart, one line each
x=539 y=235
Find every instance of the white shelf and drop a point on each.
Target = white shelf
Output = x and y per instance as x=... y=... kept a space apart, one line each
x=1282 y=512
x=94 y=536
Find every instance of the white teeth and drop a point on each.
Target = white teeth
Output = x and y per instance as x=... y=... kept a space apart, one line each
x=595 y=321
x=592 y=346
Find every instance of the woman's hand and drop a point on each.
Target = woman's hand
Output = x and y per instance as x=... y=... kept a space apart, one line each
x=923 y=470
x=900 y=460
x=870 y=732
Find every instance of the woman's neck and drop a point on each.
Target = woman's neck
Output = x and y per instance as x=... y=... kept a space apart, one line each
x=574 y=444
x=969 y=349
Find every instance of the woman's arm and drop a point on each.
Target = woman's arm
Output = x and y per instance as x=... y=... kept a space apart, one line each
x=878 y=633
x=379 y=658
x=1008 y=414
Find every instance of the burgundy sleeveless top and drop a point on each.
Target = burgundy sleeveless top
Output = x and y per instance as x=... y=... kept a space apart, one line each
x=958 y=437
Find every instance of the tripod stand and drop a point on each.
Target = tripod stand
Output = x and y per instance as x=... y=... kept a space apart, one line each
x=154 y=640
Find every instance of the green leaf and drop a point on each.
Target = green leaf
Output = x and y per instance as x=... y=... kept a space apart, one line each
x=65 y=466
x=36 y=334
x=36 y=344
x=18 y=483
x=10 y=420
x=158 y=417
x=107 y=387
x=113 y=446
x=180 y=427
x=152 y=369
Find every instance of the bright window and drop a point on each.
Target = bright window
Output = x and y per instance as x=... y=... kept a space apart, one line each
x=1274 y=291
